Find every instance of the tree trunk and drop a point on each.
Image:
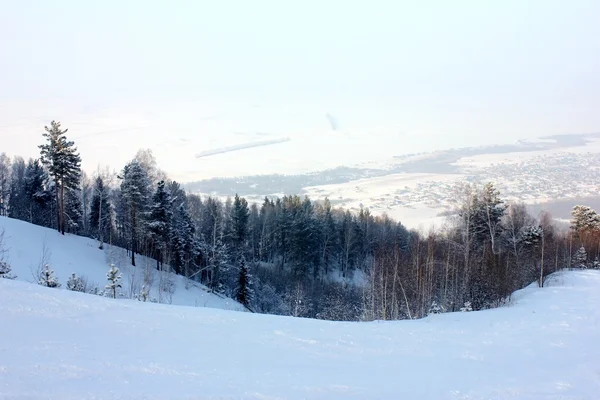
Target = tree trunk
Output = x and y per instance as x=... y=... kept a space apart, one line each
x=133 y=236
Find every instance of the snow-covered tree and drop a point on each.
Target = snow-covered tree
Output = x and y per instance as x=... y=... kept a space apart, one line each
x=135 y=190
x=467 y=307
x=159 y=223
x=239 y=224
x=580 y=258
x=114 y=281
x=244 y=292
x=435 y=308
x=5 y=271
x=48 y=278
x=4 y=183
x=76 y=283
x=63 y=162
x=584 y=219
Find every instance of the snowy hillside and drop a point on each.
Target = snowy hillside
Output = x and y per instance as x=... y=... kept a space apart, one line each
x=28 y=244
x=56 y=344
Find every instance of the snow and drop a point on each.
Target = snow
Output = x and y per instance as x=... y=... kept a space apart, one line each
x=74 y=254
x=57 y=344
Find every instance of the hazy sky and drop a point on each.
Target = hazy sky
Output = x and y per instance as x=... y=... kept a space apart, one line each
x=419 y=73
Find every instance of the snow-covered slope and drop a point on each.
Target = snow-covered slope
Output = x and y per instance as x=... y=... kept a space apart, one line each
x=26 y=244
x=56 y=344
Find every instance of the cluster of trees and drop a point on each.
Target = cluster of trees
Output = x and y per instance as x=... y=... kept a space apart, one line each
x=294 y=256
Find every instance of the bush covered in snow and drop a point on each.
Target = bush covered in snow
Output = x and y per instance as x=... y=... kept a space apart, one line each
x=5 y=271
x=76 y=283
x=48 y=278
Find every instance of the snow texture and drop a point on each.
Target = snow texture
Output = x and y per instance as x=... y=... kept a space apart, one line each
x=544 y=345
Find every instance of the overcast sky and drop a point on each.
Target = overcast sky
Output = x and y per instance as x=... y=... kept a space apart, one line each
x=443 y=69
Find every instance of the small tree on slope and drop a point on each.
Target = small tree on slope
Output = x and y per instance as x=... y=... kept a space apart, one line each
x=48 y=278
x=5 y=271
x=76 y=284
x=114 y=281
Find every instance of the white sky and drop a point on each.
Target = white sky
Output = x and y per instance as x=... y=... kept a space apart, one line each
x=400 y=76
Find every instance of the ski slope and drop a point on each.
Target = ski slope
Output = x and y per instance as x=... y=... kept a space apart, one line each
x=56 y=344
x=26 y=243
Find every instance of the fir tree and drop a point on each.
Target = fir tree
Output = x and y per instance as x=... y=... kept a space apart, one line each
x=48 y=278
x=114 y=281
x=244 y=293
x=63 y=162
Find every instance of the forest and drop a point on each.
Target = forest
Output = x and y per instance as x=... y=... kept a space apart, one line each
x=293 y=256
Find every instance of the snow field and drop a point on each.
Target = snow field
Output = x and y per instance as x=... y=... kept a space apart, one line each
x=56 y=344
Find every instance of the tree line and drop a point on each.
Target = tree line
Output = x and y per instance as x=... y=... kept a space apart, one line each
x=294 y=256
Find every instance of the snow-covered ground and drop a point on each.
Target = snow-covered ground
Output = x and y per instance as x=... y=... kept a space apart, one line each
x=56 y=344
x=27 y=244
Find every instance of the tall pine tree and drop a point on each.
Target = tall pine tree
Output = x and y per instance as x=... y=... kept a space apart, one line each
x=64 y=166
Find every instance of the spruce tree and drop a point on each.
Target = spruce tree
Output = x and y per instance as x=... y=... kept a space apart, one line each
x=244 y=290
x=159 y=223
x=63 y=162
x=37 y=198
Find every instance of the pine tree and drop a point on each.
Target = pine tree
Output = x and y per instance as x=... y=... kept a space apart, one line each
x=48 y=278
x=244 y=291
x=63 y=162
x=76 y=283
x=135 y=189
x=159 y=223
x=114 y=281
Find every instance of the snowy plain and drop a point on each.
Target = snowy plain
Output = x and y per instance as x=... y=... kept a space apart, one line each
x=80 y=255
x=57 y=344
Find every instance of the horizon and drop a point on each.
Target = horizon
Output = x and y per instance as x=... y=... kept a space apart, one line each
x=372 y=81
